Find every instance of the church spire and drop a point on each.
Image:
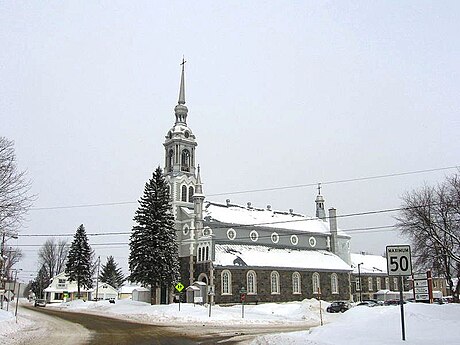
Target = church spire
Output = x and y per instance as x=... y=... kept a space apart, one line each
x=320 y=211
x=181 y=110
x=182 y=84
x=198 y=185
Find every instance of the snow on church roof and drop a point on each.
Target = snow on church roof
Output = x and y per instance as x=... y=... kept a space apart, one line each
x=234 y=214
x=371 y=264
x=262 y=256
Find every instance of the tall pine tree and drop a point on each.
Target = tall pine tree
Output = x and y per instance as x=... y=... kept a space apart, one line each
x=79 y=265
x=111 y=274
x=153 y=257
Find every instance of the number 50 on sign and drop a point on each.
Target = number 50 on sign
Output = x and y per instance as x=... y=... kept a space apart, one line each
x=399 y=261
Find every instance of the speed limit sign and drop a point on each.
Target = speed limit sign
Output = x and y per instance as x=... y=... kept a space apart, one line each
x=399 y=260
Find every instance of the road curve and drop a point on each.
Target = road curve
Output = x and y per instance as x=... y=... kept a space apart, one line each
x=104 y=331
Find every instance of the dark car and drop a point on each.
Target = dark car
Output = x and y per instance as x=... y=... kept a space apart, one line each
x=368 y=303
x=40 y=303
x=338 y=307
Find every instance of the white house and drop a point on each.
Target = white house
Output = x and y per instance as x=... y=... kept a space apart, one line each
x=61 y=289
x=105 y=291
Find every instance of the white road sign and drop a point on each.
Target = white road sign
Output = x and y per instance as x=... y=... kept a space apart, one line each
x=421 y=290
x=422 y=297
x=399 y=261
x=420 y=283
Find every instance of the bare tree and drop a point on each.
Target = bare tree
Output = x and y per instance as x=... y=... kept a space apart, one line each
x=14 y=189
x=52 y=256
x=12 y=256
x=430 y=218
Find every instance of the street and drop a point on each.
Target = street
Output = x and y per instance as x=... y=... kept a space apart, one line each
x=104 y=330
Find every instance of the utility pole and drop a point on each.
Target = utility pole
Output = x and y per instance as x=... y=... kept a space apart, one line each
x=97 y=277
x=359 y=280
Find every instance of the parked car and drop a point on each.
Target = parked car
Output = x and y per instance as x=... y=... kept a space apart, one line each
x=392 y=302
x=368 y=303
x=40 y=303
x=338 y=307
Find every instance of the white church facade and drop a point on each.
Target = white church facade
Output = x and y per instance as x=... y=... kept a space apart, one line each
x=264 y=254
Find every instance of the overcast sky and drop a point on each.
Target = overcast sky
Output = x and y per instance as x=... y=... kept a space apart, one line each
x=279 y=94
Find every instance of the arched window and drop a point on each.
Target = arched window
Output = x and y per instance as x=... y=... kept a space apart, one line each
x=170 y=160
x=226 y=282
x=334 y=283
x=275 y=282
x=370 y=286
x=315 y=283
x=190 y=194
x=251 y=280
x=387 y=283
x=395 y=284
x=169 y=190
x=185 y=161
x=206 y=257
x=184 y=193
x=379 y=283
x=199 y=254
x=296 y=283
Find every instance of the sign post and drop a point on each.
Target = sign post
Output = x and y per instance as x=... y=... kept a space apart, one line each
x=399 y=264
x=243 y=298
x=179 y=287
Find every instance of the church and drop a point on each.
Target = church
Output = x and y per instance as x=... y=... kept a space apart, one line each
x=230 y=252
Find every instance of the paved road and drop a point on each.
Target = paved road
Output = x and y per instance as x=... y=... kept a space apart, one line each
x=105 y=331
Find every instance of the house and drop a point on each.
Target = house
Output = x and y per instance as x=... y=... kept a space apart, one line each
x=264 y=254
x=61 y=290
x=105 y=291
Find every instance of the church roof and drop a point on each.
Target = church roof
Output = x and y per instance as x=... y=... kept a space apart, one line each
x=370 y=264
x=240 y=215
x=263 y=256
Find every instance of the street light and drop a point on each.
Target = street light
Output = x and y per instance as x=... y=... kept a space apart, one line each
x=359 y=280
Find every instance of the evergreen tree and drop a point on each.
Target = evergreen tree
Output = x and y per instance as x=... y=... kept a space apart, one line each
x=40 y=283
x=79 y=266
x=111 y=274
x=153 y=257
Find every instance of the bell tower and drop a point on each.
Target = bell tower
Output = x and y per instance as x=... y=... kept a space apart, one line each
x=180 y=147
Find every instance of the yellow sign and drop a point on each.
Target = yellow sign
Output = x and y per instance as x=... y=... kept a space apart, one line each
x=179 y=287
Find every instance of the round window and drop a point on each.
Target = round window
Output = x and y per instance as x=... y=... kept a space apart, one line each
x=294 y=240
x=254 y=235
x=187 y=134
x=231 y=234
x=207 y=231
x=275 y=237
x=312 y=241
x=186 y=230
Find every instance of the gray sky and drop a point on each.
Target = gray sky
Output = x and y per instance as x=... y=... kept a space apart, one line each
x=279 y=94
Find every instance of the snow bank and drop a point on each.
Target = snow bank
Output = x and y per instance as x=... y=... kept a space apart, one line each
x=306 y=311
x=8 y=325
x=425 y=325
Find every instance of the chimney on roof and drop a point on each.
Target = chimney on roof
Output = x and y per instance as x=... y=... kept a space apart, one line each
x=269 y=207
x=291 y=211
x=228 y=202
x=333 y=229
x=249 y=205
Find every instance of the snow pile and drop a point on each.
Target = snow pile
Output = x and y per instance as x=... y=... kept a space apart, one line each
x=8 y=325
x=425 y=325
x=306 y=311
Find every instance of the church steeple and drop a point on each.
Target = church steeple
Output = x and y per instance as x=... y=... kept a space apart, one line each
x=180 y=109
x=320 y=211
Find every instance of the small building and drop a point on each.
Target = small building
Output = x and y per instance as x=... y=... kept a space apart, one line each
x=106 y=292
x=141 y=294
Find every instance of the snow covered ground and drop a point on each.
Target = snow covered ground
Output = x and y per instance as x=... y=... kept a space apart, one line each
x=425 y=324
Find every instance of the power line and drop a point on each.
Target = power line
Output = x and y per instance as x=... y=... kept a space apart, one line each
x=260 y=190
